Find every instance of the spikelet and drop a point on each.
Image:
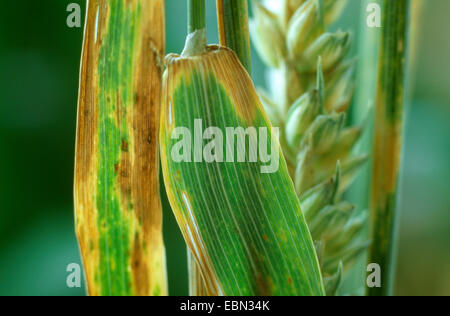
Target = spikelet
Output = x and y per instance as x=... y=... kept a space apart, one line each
x=244 y=227
x=117 y=203
x=311 y=89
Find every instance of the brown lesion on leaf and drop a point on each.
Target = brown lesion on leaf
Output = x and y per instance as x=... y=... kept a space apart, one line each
x=124 y=177
x=86 y=146
x=140 y=268
x=124 y=146
x=262 y=283
x=137 y=167
x=144 y=150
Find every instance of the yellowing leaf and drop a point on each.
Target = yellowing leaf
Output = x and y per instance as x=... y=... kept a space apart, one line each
x=117 y=204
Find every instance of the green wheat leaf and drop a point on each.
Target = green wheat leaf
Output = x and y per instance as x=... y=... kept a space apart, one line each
x=244 y=228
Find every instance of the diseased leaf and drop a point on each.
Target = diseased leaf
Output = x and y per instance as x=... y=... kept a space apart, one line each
x=388 y=139
x=117 y=204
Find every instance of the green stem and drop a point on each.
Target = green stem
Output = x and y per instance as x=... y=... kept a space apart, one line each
x=389 y=117
x=196 y=16
x=233 y=28
x=196 y=39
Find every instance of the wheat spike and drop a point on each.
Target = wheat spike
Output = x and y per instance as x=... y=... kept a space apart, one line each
x=311 y=88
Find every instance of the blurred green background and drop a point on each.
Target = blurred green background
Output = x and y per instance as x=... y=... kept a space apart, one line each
x=39 y=66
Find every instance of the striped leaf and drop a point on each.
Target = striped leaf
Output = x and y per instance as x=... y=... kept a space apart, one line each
x=389 y=118
x=244 y=228
x=118 y=209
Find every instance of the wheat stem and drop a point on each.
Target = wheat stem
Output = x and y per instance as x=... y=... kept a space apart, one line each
x=196 y=15
x=233 y=28
x=389 y=118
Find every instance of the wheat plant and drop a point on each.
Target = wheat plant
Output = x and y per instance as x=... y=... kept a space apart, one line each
x=250 y=229
x=311 y=86
x=117 y=202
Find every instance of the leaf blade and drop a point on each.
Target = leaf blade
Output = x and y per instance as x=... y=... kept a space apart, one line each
x=244 y=228
x=117 y=204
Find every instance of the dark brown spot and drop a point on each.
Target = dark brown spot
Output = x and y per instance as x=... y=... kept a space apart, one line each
x=124 y=145
x=150 y=137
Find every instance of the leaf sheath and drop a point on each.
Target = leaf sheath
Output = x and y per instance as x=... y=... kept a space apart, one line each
x=389 y=122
